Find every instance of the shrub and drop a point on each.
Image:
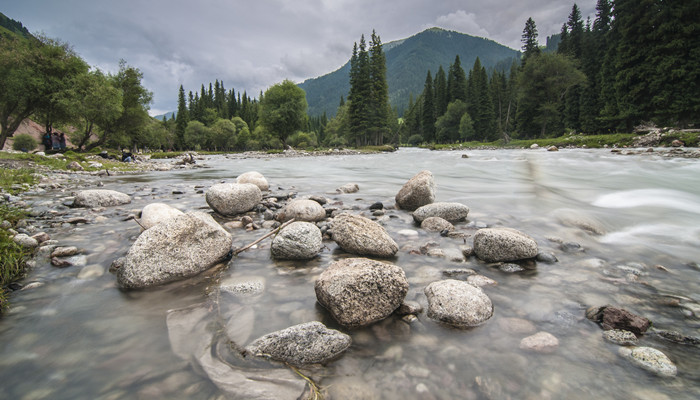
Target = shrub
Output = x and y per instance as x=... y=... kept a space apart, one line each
x=24 y=142
x=415 y=140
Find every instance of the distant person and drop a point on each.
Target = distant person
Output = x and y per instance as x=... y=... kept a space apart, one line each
x=62 y=141
x=46 y=141
x=55 y=141
x=127 y=156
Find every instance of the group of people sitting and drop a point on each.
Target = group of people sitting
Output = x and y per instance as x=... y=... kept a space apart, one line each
x=55 y=141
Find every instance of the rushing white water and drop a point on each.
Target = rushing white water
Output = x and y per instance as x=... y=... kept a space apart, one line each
x=636 y=218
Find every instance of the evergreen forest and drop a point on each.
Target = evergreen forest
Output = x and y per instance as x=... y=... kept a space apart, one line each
x=635 y=62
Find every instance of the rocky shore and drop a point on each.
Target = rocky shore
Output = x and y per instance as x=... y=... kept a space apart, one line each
x=362 y=288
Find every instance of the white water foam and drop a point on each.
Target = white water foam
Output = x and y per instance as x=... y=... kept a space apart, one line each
x=664 y=198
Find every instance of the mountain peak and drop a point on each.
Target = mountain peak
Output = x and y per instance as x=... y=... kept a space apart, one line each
x=408 y=61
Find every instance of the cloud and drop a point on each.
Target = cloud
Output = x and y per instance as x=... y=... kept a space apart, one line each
x=251 y=45
x=461 y=21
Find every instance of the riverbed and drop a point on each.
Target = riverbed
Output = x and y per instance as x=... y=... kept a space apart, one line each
x=625 y=231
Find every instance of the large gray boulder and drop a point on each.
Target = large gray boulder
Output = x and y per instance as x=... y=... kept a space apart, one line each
x=175 y=249
x=503 y=244
x=362 y=236
x=297 y=241
x=302 y=210
x=233 y=198
x=254 y=177
x=360 y=291
x=457 y=303
x=417 y=192
x=308 y=343
x=156 y=213
x=100 y=198
x=452 y=212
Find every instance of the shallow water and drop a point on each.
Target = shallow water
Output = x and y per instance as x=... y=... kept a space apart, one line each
x=83 y=338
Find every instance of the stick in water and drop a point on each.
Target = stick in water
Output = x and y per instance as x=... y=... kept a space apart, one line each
x=244 y=248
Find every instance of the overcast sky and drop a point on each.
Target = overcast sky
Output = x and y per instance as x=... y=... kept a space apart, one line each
x=251 y=45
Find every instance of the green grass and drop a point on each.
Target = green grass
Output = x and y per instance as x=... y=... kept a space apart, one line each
x=13 y=257
x=11 y=177
x=590 y=141
x=68 y=157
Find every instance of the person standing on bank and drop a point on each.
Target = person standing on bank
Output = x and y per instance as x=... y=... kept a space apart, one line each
x=62 y=141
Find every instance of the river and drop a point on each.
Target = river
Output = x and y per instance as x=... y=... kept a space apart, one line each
x=636 y=219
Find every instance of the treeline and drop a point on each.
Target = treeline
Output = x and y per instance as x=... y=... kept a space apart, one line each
x=366 y=118
x=215 y=119
x=636 y=62
x=44 y=79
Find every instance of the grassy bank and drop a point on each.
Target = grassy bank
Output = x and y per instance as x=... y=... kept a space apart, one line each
x=589 y=141
x=62 y=162
x=13 y=257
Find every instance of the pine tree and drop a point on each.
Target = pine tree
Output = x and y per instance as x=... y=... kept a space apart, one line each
x=428 y=115
x=456 y=82
x=441 y=95
x=530 y=47
x=360 y=93
x=479 y=104
x=183 y=118
x=379 y=91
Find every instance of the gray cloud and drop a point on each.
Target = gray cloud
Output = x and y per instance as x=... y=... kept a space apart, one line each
x=251 y=45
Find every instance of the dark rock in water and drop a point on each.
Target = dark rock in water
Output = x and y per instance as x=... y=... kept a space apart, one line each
x=675 y=337
x=377 y=206
x=60 y=263
x=617 y=318
x=308 y=343
x=545 y=257
x=571 y=247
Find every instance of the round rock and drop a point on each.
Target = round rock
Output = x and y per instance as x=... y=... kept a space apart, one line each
x=449 y=211
x=304 y=344
x=155 y=213
x=175 y=249
x=360 y=291
x=302 y=210
x=436 y=224
x=417 y=192
x=362 y=236
x=541 y=342
x=233 y=198
x=458 y=303
x=503 y=244
x=297 y=241
x=621 y=337
x=651 y=360
x=255 y=178
x=25 y=241
x=100 y=198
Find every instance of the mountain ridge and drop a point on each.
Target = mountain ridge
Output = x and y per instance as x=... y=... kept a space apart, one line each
x=408 y=61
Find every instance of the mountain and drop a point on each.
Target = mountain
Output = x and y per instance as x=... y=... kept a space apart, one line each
x=407 y=63
x=167 y=115
x=9 y=26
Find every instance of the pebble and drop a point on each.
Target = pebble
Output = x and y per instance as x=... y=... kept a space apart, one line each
x=541 y=342
x=650 y=359
x=621 y=337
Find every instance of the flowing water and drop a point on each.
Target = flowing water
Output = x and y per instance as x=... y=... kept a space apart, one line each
x=636 y=218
